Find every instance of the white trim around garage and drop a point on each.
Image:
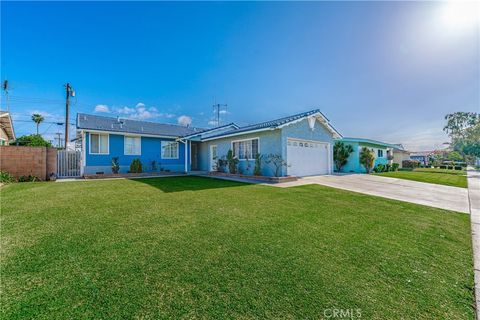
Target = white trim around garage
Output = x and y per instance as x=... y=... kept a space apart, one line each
x=317 y=144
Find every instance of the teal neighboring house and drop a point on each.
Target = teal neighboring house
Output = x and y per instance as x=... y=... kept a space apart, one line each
x=382 y=151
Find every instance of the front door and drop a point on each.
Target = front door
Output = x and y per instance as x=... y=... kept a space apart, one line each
x=194 y=156
x=213 y=158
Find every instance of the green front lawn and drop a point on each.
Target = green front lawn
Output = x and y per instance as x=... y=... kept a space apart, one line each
x=454 y=178
x=193 y=247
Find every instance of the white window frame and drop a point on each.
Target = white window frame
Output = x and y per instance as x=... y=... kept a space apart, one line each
x=378 y=151
x=163 y=143
x=4 y=142
x=90 y=143
x=124 y=146
x=258 y=147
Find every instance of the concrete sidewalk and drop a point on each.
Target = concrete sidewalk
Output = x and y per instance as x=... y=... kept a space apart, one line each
x=474 y=198
x=433 y=195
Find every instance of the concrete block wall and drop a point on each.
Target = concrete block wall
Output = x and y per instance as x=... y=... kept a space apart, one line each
x=24 y=161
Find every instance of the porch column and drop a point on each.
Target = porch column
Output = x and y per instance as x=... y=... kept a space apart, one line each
x=186 y=154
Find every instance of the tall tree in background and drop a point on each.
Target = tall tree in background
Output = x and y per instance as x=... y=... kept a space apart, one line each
x=37 y=118
x=464 y=130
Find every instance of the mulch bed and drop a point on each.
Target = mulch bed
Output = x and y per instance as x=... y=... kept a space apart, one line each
x=131 y=175
x=255 y=178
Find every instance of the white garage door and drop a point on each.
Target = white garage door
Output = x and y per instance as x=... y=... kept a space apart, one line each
x=307 y=158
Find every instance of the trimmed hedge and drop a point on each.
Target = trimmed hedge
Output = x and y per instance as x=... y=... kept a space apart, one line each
x=410 y=164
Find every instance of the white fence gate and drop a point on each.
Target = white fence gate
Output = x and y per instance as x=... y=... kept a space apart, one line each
x=68 y=163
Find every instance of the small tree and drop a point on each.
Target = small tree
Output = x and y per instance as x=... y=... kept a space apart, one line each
x=32 y=140
x=37 y=118
x=257 y=170
x=455 y=156
x=115 y=165
x=341 y=152
x=136 y=166
x=232 y=162
x=277 y=162
x=366 y=159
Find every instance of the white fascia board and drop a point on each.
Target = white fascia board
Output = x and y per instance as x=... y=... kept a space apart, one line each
x=238 y=134
x=210 y=130
x=128 y=134
x=323 y=121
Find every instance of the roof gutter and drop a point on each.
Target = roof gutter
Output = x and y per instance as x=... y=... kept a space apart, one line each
x=240 y=133
x=127 y=133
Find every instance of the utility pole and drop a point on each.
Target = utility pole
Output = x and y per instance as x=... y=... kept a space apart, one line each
x=69 y=93
x=217 y=108
x=59 y=138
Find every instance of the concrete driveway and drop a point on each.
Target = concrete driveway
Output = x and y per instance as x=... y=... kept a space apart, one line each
x=434 y=195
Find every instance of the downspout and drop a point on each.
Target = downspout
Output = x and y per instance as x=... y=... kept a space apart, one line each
x=186 y=153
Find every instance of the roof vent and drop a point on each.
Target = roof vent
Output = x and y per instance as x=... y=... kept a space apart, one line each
x=311 y=122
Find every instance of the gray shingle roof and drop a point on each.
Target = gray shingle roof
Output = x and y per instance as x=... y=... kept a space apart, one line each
x=272 y=123
x=93 y=122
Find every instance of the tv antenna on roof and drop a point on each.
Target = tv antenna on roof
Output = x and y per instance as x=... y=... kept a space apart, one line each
x=218 y=108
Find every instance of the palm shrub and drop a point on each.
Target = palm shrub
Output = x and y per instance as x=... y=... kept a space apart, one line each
x=395 y=166
x=136 y=166
x=6 y=177
x=221 y=164
x=366 y=159
x=257 y=170
x=341 y=152
x=232 y=162
x=379 y=168
x=115 y=165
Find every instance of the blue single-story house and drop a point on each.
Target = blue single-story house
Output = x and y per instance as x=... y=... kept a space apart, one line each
x=304 y=141
x=382 y=151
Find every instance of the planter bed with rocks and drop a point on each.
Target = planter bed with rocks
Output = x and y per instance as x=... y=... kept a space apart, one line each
x=131 y=175
x=256 y=178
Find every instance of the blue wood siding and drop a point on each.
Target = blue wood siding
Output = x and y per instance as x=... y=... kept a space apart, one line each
x=150 y=151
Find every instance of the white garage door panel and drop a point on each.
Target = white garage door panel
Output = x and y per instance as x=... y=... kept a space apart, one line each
x=307 y=158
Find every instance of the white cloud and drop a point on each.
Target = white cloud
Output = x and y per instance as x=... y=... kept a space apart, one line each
x=44 y=114
x=167 y=115
x=139 y=112
x=102 y=108
x=125 y=110
x=184 y=120
x=212 y=123
x=47 y=115
x=418 y=139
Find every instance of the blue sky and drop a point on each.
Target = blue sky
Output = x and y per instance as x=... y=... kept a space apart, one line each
x=386 y=71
